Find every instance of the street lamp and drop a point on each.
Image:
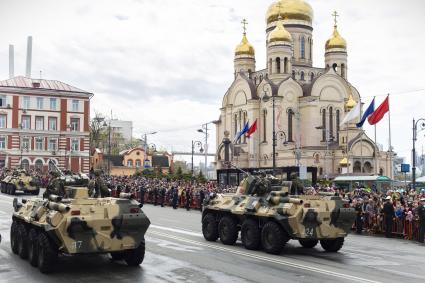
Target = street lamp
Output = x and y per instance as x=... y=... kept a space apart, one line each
x=415 y=132
x=109 y=144
x=265 y=99
x=205 y=131
x=328 y=139
x=151 y=147
x=199 y=145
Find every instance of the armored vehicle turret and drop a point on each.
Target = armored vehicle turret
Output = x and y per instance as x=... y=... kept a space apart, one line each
x=20 y=180
x=75 y=224
x=268 y=216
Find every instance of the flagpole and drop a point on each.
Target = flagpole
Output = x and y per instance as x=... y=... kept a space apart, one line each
x=389 y=141
x=376 y=152
x=361 y=142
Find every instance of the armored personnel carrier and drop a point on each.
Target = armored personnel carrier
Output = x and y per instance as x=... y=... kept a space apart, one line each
x=42 y=229
x=20 y=180
x=268 y=216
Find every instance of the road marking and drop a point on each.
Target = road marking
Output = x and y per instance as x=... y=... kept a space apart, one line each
x=186 y=232
x=263 y=258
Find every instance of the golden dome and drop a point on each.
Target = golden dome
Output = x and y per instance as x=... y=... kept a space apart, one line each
x=290 y=10
x=336 y=41
x=344 y=162
x=244 y=48
x=350 y=103
x=279 y=33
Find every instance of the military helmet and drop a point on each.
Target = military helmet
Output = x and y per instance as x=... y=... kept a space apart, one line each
x=97 y=172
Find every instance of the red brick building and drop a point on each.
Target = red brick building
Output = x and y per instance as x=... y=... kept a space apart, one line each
x=42 y=120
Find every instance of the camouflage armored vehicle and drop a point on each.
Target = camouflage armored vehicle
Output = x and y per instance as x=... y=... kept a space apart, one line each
x=43 y=229
x=267 y=215
x=20 y=180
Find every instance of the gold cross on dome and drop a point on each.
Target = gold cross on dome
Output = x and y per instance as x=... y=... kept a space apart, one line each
x=279 y=6
x=335 y=15
x=244 y=23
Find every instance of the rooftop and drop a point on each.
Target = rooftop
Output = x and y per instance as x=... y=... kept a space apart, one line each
x=24 y=82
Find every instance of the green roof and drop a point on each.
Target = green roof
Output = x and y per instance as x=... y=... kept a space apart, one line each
x=362 y=178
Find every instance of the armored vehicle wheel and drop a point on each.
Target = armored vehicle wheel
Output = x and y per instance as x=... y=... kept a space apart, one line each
x=273 y=238
x=228 y=230
x=22 y=241
x=118 y=255
x=308 y=244
x=47 y=254
x=36 y=192
x=32 y=247
x=210 y=227
x=7 y=191
x=332 y=245
x=135 y=257
x=251 y=234
x=13 y=237
x=2 y=185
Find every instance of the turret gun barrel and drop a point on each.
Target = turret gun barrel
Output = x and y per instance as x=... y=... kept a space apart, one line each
x=58 y=206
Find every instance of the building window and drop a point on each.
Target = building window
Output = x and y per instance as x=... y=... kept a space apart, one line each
x=3 y=101
x=312 y=76
x=75 y=105
x=302 y=75
x=293 y=75
x=25 y=164
x=53 y=104
x=264 y=125
x=285 y=65
x=270 y=66
x=26 y=122
x=302 y=47
x=343 y=70
x=3 y=121
x=52 y=144
x=26 y=144
x=278 y=65
x=38 y=165
x=40 y=101
x=130 y=163
x=26 y=102
x=75 y=144
x=138 y=163
x=39 y=123
x=331 y=123
x=75 y=124
x=53 y=124
x=2 y=142
x=290 y=125
x=337 y=125
x=39 y=143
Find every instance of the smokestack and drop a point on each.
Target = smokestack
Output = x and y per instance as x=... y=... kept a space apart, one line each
x=11 y=61
x=29 y=57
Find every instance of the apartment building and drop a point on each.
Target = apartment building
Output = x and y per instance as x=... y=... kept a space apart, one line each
x=41 y=120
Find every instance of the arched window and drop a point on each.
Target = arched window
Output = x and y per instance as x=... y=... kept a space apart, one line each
x=285 y=65
x=343 y=70
x=293 y=74
x=323 y=125
x=130 y=163
x=270 y=65
x=317 y=158
x=278 y=65
x=235 y=122
x=302 y=47
x=335 y=67
x=264 y=125
x=337 y=124
x=38 y=165
x=302 y=76
x=367 y=167
x=357 y=167
x=138 y=163
x=25 y=164
x=290 y=125
x=331 y=123
x=249 y=73
x=261 y=79
x=311 y=49
x=312 y=76
x=381 y=172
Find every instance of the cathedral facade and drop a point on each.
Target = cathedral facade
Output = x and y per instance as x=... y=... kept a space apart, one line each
x=309 y=104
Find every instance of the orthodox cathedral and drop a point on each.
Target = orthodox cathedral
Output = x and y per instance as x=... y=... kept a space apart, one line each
x=297 y=108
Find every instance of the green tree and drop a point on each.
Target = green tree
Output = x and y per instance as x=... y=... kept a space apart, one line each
x=201 y=178
x=179 y=173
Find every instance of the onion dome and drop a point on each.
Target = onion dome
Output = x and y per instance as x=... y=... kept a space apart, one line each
x=344 y=162
x=244 y=48
x=279 y=33
x=350 y=103
x=336 y=41
x=290 y=10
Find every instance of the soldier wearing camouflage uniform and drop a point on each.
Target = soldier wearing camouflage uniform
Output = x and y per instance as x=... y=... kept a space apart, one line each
x=97 y=187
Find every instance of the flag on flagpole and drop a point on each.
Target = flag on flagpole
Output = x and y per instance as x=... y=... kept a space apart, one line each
x=379 y=113
x=252 y=129
x=353 y=114
x=367 y=113
x=241 y=133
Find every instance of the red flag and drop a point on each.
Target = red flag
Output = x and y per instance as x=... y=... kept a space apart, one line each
x=252 y=129
x=379 y=112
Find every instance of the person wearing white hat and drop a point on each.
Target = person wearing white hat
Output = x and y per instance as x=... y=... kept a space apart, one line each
x=420 y=211
x=389 y=215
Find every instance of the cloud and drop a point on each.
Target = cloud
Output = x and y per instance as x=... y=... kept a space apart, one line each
x=166 y=64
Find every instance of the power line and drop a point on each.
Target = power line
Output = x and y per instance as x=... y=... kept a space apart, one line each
x=394 y=93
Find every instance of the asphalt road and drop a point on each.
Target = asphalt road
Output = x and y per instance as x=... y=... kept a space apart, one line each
x=177 y=252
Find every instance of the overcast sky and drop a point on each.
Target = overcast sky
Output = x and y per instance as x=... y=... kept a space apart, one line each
x=166 y=64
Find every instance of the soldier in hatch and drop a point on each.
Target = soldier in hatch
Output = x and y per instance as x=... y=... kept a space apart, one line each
x=297 y=187
x=55 y=185
x=97 y=187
